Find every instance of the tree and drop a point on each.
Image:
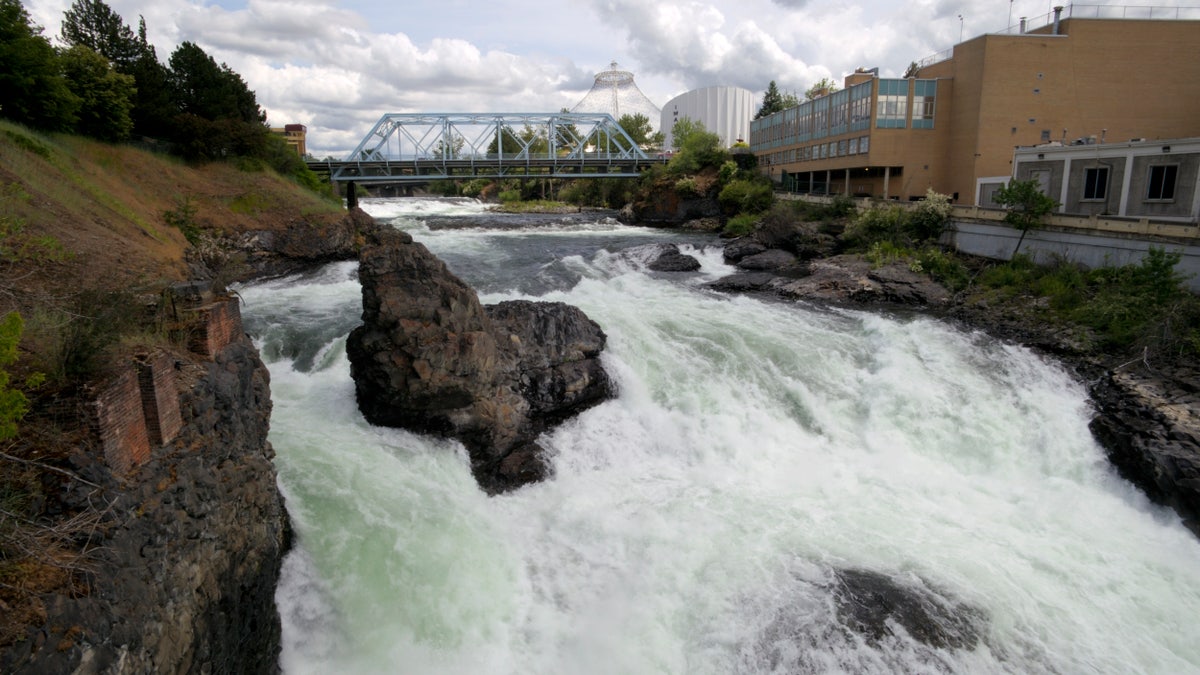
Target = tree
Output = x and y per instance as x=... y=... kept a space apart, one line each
x=153 y=107
x=217 y=114
x=106 y=96
x=202 y=88
x=506 y=141
x=449 y=147
x=684 y=128
x=93 y=24
x=820 y=88
x=1026 y=205
x=638 y=127
x=32 y=88
x=772 y=102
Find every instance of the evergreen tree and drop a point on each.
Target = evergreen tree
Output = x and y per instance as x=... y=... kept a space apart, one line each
x=153 y=106
x=94 y=25
x=106 y=96
x=32 y=88
x=218 y=114
x=772 y=102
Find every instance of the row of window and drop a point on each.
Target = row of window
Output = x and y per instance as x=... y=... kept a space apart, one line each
x=847 y=111
x=1160 y=182
x=843 y=148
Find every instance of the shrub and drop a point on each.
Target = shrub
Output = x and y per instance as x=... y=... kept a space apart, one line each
x=13 y=404
x=745 y=196
x=929 y=217
x=183 y=216
x=876 y=225
x=475 y=187
x=507 y=196
x=944 y=268
x=727 y=172
x=740 y=225
x=687 y=187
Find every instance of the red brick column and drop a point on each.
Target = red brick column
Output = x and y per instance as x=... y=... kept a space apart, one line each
x=160 y=397
x=121 y=424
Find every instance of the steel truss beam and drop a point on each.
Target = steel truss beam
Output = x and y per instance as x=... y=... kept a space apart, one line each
x=420 y=147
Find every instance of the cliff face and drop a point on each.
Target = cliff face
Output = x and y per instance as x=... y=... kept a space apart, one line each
x=186 y=555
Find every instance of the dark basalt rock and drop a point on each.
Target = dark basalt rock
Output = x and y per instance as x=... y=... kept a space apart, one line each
x=872 y=604
x=429 y=357
x=767 y=261
x=1153 y=438
x=744 y=247
x=672 y=260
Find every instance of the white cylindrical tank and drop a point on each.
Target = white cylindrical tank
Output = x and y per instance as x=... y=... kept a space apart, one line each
x=725 y=111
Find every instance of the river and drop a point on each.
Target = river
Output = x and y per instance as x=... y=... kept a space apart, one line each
x=699 y=522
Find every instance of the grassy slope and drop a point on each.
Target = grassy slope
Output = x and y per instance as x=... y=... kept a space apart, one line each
x=105 y=205
x=79 y=220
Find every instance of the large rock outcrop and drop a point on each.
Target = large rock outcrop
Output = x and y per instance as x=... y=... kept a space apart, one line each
x=429 y=357
x=185 y=551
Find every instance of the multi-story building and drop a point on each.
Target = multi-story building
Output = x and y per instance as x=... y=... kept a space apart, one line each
x=725 y=111
x=954 y=122
x=295 y=135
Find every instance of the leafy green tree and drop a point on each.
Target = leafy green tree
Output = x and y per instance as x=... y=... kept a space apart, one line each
x=638 y=127
x=1027 y=206
x=32 y=88
x=683 y=129
x=696 y=147
x=820 y=88
x=93 y=24
x=772 y=102
x=106 y=96
x=450 y=147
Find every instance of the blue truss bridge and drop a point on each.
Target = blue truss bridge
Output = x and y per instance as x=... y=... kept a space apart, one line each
x=423 y=147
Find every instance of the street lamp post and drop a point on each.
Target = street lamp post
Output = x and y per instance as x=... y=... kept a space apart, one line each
x=960 y=27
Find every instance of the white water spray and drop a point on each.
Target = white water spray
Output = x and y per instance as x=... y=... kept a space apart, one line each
x=696 y=523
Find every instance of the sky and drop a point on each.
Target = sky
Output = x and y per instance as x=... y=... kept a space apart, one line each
x=338 y=66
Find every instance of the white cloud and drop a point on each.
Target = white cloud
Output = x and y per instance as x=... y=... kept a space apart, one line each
x=337 y=65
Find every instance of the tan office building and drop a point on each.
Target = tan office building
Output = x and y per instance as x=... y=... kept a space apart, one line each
x=954 y=124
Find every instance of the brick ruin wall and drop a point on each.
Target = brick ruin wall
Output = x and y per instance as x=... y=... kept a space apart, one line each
x=139 y=409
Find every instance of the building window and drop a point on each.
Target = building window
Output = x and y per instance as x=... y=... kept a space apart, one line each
x=1161 y=184
x=864 y=144
x=924 y=102
x=853 y=146
x=860 y=106
x=1095 y=183
x=892 y=107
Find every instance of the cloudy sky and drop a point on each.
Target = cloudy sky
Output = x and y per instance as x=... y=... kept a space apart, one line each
x=337 y=66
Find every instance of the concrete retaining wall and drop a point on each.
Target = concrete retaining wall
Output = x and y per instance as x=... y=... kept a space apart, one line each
x=992 y=240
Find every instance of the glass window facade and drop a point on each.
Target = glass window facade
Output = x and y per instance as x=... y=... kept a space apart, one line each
x=860 y=106
x=892 y=108
x=924 y=103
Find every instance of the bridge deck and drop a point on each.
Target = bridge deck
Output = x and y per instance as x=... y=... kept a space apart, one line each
x=593 y=165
